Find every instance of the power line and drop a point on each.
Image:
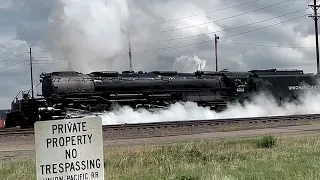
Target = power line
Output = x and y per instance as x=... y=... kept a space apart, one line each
x=15 y=51
x=8 y=70
x=257 y=22
x=263 y=27
x=228 y=17
x=172 y=47
x=13 y=57
x=209 y=41
x=15 y=64
x=44 y=63
x=165 y=48
x=261 y=45
x=42 y=50
x=212 y=11
x=45 y=57
x=16 y=47
x=23 y=61
x=48 y=60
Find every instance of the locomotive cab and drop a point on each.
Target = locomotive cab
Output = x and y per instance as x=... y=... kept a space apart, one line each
x=23 y=113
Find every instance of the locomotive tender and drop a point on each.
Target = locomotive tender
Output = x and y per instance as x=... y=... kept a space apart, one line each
x=67 y=92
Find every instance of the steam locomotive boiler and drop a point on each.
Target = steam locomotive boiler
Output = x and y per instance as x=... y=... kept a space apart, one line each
x=99 y=90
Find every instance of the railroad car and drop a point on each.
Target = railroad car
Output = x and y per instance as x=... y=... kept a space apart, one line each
x=68 y=93
x=283 y=85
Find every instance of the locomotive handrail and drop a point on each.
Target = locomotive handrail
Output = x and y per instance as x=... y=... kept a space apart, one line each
x=28 y=91
x=16 y=96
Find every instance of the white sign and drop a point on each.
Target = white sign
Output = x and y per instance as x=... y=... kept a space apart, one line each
x=69 y=149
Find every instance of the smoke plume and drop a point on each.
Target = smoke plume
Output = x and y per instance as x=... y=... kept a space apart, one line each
x=88 y=34
x=262 y=104
x=189 y=64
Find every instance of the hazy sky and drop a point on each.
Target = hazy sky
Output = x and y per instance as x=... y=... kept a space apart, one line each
x=92 y=35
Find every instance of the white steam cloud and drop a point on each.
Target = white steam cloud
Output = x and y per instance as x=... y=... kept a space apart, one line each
x=260 y=105
x=88 y=33
x=189 y=64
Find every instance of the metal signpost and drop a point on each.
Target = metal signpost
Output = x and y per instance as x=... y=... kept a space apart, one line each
x=69 y=149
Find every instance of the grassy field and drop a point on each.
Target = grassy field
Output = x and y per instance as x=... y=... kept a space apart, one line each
x=287 y=157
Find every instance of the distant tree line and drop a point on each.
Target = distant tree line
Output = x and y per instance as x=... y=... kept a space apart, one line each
x=3 y=113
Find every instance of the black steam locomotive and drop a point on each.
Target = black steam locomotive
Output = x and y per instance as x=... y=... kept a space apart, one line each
x=70 y=93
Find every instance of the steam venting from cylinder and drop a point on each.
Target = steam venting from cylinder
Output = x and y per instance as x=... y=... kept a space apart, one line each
x=261 y=104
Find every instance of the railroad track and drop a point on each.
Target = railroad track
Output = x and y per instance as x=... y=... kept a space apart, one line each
x=171 y=128
x=210 y=122
x=16 y=131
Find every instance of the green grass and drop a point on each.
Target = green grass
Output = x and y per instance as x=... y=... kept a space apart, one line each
x=287 y=157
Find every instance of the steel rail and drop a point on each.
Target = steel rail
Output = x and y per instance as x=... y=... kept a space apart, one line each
x=16 y=131
x=215 y=121
x=177 y=127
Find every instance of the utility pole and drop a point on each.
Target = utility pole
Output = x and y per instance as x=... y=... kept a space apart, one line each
x=216 y=49
x=130 y=57
x=31 y=74
x=315 y=17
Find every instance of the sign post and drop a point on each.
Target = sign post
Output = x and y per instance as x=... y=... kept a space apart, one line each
x=69 y=149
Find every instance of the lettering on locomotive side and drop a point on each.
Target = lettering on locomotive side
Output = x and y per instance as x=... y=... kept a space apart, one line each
x=69 y=149
x=297 y=87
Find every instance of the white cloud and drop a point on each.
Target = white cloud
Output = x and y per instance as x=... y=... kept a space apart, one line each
x=5 y=4
x=90 y=35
